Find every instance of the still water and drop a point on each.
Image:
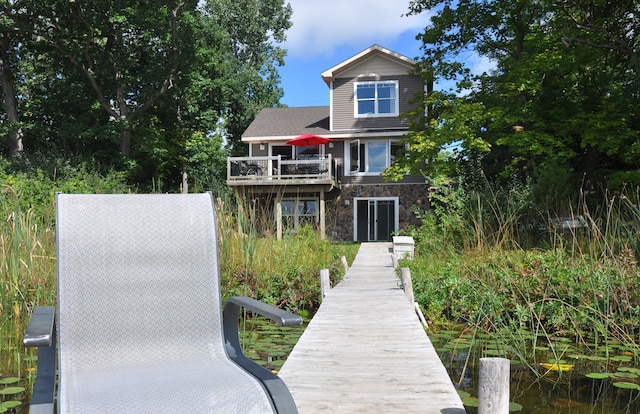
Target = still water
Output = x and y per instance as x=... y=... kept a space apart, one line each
x=565 y=378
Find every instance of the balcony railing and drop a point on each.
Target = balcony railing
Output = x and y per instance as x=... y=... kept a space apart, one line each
x=272 y=170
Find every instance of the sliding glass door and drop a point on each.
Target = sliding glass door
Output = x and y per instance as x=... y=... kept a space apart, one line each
x=375 y=219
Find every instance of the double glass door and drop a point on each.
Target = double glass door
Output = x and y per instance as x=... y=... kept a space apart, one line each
x=376 y=219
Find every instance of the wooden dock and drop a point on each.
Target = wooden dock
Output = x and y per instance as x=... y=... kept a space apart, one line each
x=365 y=350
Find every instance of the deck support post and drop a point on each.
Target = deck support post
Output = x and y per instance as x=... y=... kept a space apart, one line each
x=493 y=388
x=240 y=205
x=323 y=227
x=279 y=216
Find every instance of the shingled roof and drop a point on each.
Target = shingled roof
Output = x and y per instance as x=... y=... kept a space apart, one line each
x=287 y=123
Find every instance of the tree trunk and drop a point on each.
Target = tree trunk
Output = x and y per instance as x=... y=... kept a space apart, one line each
x=185 y=180
x=125 y=141
x=9 y=103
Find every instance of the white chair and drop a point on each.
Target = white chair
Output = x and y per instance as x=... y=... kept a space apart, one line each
x=139 y=321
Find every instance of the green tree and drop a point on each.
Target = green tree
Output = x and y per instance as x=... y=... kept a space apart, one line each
x=561 y=92
x=145 y=87
x=249 y=32
x=9 y=46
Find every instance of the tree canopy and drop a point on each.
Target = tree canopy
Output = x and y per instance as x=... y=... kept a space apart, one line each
x=150 y=87
x=561 y=97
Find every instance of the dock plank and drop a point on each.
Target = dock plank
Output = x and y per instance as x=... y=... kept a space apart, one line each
x=365 y=351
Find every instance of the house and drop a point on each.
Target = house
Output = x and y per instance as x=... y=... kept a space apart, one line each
x=337 y=185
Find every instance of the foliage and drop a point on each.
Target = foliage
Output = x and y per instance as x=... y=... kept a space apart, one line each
x=493 y=274
x=282 y=272
x=559 y=89
x=147 y=91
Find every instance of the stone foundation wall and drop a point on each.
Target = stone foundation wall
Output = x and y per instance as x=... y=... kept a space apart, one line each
x=340 y=209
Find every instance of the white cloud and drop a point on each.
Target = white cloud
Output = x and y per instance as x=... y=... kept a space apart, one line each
x=319 y=27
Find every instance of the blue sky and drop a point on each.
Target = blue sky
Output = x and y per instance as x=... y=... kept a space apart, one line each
x=321 y=38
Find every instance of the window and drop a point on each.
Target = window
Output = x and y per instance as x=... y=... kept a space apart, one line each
x=296 y=212
x=379 y=98
x=372 y=156
x=397 y=149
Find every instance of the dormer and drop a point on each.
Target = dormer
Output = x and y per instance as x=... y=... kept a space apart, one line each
x=370 y=91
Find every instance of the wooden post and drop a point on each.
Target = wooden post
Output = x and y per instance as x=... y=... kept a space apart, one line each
x=325 y=282
x=493 y=388
x=241 y=217
x=323 y=226
x=407 y=285
x=344 y=264
x=279 y=217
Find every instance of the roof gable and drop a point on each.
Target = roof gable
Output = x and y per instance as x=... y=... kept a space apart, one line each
x=364 y=56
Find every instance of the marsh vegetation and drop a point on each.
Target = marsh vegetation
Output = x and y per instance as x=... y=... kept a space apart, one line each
x=561 y=301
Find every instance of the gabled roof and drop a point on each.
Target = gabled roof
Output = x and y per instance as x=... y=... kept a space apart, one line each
x=331 y=73
x=289 y=122
x=283 y=124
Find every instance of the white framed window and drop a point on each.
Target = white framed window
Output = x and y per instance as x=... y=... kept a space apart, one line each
x=298 y=211
x=371 y=157
x=376 y=99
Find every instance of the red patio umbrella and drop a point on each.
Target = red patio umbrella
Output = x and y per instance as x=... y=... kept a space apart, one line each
x=306 y=140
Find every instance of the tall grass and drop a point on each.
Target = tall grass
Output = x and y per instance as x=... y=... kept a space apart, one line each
x=27 y=265
x=505 y=269
x=283 y=272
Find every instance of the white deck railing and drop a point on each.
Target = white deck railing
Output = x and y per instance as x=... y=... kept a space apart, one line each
x=276 y=168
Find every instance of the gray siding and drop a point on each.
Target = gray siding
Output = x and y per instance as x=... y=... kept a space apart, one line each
x=343 y=103
x=337 y=152
x=257 y=152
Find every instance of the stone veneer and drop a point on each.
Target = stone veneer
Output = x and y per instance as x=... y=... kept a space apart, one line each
x=339 y=210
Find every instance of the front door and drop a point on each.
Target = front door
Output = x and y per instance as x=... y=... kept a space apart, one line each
x=375 y=219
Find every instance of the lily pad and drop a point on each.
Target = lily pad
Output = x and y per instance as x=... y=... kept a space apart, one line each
x=598 y=375
x=629 y=375
x=10 y=404
x=10 y=380
x=11 y=390
x=629 y=369
x=470 y=401
x=621 y=358
x=554 y=366
x=627 y=385
x=463 y=394
x=513 y=406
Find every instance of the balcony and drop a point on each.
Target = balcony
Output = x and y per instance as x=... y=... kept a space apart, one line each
x=276 y=171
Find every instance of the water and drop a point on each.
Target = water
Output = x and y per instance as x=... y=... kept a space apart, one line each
x=556 y=386
x=535 y=388
x=268 y=344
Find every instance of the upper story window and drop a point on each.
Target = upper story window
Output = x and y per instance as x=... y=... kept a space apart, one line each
x=372 y=157
x=376 y=98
